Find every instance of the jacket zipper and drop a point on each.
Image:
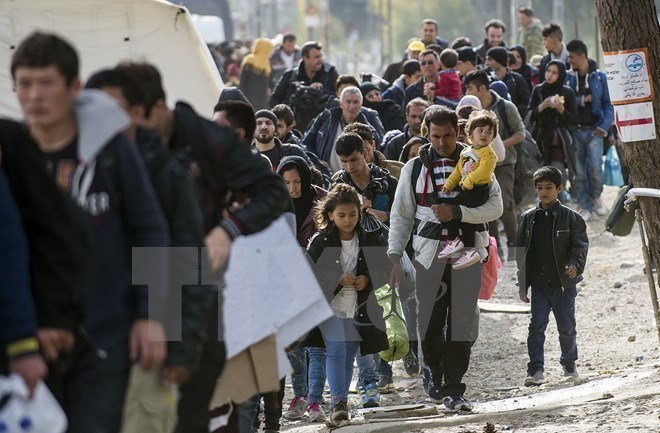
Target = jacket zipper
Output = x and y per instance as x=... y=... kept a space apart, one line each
x=554 y=250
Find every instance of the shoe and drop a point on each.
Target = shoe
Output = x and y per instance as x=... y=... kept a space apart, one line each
x=570 y=371
x=372 y=396
x=411 y=364
x=450 y=248
x=457 y=402
x=434 y=390
x=469 y=258
x=385 y=384
x=339 y=412
x=426 y=379
x=296 y=409
x=534 y=379
x=316 y=413
x=599 y=208
x=586 y=215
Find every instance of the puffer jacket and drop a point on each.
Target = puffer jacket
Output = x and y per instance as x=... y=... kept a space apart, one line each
x=569 y=247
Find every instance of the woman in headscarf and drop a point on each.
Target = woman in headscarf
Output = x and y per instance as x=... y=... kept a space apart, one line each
x=553 y=114
x=307 y=378
x=529 y=72
x=255 y=74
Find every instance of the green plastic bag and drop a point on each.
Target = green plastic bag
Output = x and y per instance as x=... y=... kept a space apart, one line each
x=397 y=333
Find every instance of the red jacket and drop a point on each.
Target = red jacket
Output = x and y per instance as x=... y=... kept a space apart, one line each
x=449 y=85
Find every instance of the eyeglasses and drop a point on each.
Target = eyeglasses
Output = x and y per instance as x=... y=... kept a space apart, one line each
x=427 y=62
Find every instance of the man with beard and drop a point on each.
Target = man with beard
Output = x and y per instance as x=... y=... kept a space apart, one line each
x=430 y=34
x=270 y=146
x=495 y=30
x=413 y=128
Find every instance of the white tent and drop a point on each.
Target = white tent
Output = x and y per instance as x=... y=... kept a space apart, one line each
x=106 y=32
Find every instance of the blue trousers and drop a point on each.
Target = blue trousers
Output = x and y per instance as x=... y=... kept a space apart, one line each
x=589 y=171
x=342 y=343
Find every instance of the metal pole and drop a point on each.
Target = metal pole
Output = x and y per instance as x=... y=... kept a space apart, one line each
x=649 y=271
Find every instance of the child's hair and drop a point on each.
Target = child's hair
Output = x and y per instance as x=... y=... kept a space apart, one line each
x=341 y=193
x=548 y=173
x=449 y=58
x=481 y=118
x=349 y=142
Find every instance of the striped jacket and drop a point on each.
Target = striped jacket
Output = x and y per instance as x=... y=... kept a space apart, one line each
x=412 y=214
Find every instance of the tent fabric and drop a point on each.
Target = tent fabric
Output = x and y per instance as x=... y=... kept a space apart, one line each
x=107 y=32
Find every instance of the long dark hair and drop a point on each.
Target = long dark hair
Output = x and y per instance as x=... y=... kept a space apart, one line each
x=341 y=193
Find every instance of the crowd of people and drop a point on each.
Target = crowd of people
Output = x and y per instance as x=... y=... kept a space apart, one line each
x=417 y=167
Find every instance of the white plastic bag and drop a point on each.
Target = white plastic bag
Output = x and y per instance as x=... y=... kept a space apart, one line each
x=18 y=414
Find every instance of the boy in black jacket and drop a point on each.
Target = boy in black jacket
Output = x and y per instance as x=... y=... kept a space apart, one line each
x=554 y=246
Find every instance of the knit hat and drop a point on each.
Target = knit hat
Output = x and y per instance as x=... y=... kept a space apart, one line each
x=267 y=114
x=232 y=94
x=416 y=46
x=368 y=87
x=467 y=54
x=499 y=54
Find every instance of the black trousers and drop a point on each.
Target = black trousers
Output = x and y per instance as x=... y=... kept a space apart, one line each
x=193 y=409
x=447 y=303
x=272 y=409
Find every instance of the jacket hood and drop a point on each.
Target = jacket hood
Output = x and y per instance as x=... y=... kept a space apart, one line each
x=496 y=99
x=99 y=119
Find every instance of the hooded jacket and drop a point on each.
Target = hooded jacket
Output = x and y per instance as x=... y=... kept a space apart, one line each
x=255 y=74
x=111 y=185
x=570 y=243
x=412 y=215
x=596 y=81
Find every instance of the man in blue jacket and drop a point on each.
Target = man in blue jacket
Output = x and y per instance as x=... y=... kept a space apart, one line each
x=595 y=116
x=19 y=349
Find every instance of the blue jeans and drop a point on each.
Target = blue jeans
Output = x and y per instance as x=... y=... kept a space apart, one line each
x=342 y=343
x=589 y=170
x=384 y=368
x=562 y=305
x=308 y=376
x=367 y=369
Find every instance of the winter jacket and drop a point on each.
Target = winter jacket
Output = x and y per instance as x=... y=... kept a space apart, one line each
x=372 y=118
x=569 y=247
x=321 y=136
x=308 y=228
x=390 y=114
x=323 y=253
x=221 y=165
x=380 y=189
x=394 y=147
x=327 y=76
x=286 y=149
x=397 y=93
x=416 y=90
x=551 y=56
x=412 y=214
x=601 y=106
x=449 y=85
x=177 y=195
x=58 y=232
x=18 y=322
x=519 y=91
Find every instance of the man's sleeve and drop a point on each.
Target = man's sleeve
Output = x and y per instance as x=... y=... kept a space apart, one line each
x=246 y=172
x=579 y=244
x=513 y=118
x=487 y=212
x=331 y=82
x=402 y=216
x=608 y=109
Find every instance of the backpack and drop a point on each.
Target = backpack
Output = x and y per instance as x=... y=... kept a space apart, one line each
x=620 y=220
x=306 y=103
x=528 y=161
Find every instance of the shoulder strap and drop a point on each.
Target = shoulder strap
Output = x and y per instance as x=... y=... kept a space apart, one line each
x=416 y=170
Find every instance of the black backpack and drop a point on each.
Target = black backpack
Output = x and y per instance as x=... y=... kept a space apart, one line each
x=306 y=103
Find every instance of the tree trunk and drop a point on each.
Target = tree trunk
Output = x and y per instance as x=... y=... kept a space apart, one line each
x=627 y=25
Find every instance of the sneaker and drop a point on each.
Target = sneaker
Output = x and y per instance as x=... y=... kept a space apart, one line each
x=450 y=248
x=599 y=207
x=411 y=364
x=339 y=412
x=434 y=390
x=296 y=409
x=385 y=384
x=534 y=379
x=315 y=412
x=372 y=396
x=457 y=402
x=586 y=215
x=469 y=258
x=570 y=371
